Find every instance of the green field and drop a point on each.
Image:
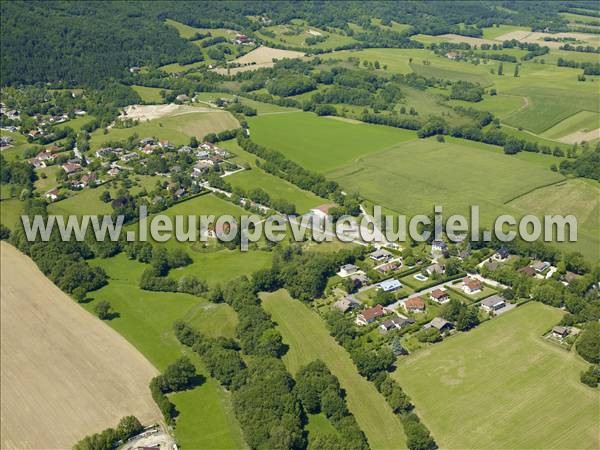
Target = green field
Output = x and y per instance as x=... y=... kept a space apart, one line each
x=305 y=332
x=502 y=386
x=322 y=144
x=579 y=197
x=499 y=105
x=176 y=129
x=582 y=121
x=261 y=108
x=295 y=35
x=149 y=94
x=494 y=32
x=146 y=318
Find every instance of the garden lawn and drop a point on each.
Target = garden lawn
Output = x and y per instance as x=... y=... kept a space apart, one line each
x=322 y=144
x=308 y=338
x=503 y=373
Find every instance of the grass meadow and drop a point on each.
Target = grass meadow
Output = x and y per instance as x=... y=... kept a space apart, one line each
x=322 y=144
x=502 y=383
x=149 y=94
x=206 y=419
x=308 y=338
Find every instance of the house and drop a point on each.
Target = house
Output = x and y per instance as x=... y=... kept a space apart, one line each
x=414 y=304
x=185 y=149
x=439 y=324
x=493 y=303
x=439 y=246
x=570 y=277
x=527 y=270
x=390 y=285
x=540 y=266
x=113 y=172
x=129 y=156
x=134 y=69
x=103 y=152
x=464 y=254
x=201 y=167
x=148 y=149
x=501 y=254
x=439 y=296
x=435 y=269
x=5 y=141
x=88 y=178
x=71 y=168
x=347 y=269
x=360 y=277
x=182 y=98
x=396 y=323
x=79 y=112
x=471 y=285
x=560 y=332
x=242 y=39
x=148 y=141
x=368 y=315
x=322 y=211
x=385 y=268
x=452 y=55
x=34 y=133
x=345 y=304
x=380 y=255
x=52 y=194
x=202 y=154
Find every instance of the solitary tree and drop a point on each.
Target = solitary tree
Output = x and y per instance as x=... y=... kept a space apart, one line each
x=516 y=70
x=500 y=69
x=103 y=309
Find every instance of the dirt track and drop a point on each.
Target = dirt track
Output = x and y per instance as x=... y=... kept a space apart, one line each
x=150 y=112
x=64 y=373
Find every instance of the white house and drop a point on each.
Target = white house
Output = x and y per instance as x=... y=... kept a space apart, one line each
x=493 y=303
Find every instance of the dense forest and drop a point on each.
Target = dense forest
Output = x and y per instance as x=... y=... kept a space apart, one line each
x=72 y=40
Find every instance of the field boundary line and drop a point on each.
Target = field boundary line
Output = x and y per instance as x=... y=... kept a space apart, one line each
x=564 y=180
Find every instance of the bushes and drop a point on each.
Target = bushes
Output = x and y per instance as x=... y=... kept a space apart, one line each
x=588 y=345
x=591 y=377
x=178 y=376
x=287 y=85
x=128 y=427
x=319 y=391
x=417 y=435
x=467 y=91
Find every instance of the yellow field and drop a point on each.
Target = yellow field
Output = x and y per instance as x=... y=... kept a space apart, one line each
x=64 y=373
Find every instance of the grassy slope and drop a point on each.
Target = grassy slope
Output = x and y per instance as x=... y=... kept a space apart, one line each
x=149 y=94
x=176 y=129
x=322 y=144
x=582 y=121
x=309 y=340
x=579 y=197
x=502 y=385
x=146 y=319
x=274 y=186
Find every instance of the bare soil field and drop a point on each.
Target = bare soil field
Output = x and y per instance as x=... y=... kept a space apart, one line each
x=150 y=112
x=581 y=136
x=64 y=373
x=259 y=58
x=538 y=38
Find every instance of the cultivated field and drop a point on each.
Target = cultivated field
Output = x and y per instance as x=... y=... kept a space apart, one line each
x=65 y=374
x=307 y=336
x=502 y=386
x=259 y=58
